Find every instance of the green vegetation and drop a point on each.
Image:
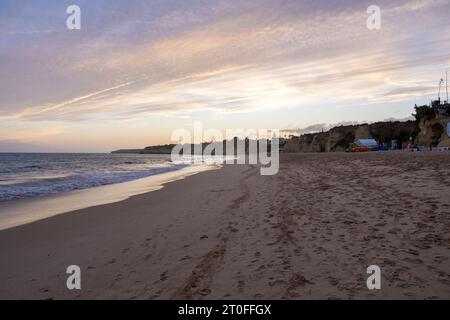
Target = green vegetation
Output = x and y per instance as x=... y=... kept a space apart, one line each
x=424 y=112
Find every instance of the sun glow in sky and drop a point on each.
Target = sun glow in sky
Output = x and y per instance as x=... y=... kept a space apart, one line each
x=139 y=69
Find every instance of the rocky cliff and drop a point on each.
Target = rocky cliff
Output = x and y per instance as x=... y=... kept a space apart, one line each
x=429 y=129
x=433 y=131
x=340 y=138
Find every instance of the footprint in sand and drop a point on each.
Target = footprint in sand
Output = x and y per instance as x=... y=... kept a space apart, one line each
x=164 y=276
x=110 y=262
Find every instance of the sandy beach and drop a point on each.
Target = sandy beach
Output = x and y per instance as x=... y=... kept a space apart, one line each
x=308 y=232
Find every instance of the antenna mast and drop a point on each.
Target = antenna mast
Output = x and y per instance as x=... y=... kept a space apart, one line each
x=441 y=81
x=446 y=84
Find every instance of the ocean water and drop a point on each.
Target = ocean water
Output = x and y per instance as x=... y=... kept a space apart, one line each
x=27 y=175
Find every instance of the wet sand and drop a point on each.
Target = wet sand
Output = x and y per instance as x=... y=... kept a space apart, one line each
x=308 y=232
x=19 y=212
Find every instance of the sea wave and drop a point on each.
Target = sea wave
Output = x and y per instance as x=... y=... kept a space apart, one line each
x=83 y=180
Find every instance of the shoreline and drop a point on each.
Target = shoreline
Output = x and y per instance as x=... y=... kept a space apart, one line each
x=309 y=232
x=23 y=211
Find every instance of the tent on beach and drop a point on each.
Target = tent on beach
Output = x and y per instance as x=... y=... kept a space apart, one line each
x=369 y=143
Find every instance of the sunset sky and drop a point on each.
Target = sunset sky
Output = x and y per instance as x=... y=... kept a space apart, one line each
x=139 y=69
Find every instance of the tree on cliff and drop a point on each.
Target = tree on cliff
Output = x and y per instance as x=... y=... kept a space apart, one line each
x=424 y=112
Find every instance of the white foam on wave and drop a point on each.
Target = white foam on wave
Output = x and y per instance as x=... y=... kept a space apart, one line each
x=35 y=186
x=23 y=211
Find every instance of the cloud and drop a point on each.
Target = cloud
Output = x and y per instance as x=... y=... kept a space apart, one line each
x=320 y=127
x=410 y=91
x=33 y=112
x=29 y=134
x=221 y=59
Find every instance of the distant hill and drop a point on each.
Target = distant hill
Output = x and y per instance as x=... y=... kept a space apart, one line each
x=159 y=149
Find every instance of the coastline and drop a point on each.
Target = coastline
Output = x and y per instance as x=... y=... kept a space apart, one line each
x=23 y=211
x=308 y=232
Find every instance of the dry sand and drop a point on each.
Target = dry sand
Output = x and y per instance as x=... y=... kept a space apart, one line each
x=308 y=232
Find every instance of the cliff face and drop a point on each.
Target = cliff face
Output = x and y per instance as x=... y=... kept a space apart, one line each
x=433 y=131
x=307 y=143
x=340 y=138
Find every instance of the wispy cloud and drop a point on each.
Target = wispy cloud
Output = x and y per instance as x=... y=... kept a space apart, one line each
x=221 y=59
